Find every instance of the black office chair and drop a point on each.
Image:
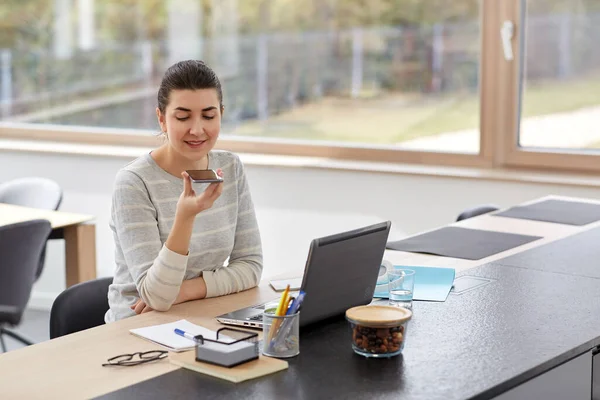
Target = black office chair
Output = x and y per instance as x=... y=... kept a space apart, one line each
x=80 y=307
x=21 y=245
x=32 y=192
x=477 y=210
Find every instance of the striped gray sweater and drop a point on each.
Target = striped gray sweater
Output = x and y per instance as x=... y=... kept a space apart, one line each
x=225 y=247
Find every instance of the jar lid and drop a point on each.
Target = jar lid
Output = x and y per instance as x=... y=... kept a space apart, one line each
x=376 y=316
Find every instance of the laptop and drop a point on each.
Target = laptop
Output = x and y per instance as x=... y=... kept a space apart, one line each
x=341 y=272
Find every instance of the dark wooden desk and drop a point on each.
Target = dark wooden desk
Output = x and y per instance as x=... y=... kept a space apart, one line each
x=498 y=338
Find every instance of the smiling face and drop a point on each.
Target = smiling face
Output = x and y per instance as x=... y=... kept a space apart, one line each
x=192 y=122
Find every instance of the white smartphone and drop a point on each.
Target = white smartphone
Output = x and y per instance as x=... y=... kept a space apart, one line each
x=204 y=175
x=279 y=285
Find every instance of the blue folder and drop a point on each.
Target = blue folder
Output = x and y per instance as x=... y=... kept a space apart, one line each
x=431 y=283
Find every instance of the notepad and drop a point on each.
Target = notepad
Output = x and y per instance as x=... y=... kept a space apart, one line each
x=165 y=336
x=431 y=284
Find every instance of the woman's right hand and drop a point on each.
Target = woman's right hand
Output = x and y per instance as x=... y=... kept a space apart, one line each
x=190 y=204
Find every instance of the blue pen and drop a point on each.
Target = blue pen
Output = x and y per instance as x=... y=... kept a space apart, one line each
x=185 y=334
x=295 y=304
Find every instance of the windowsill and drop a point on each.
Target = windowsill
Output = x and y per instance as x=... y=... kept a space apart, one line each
x=506 y=175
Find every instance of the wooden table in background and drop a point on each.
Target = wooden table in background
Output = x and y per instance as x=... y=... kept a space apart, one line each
x=77 y=231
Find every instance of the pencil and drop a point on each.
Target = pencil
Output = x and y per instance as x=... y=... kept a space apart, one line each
x=281 y=310
x=283 y=302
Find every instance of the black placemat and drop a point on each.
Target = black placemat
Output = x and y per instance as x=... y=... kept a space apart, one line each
x=469 y=244
x=557 y=211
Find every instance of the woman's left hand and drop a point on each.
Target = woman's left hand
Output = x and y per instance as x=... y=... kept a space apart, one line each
x=193 y=289
x=140 y=307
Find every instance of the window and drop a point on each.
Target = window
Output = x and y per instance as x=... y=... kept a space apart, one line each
x=399 y=76
x=397 y=81
x=554 y=81
x=561 y=82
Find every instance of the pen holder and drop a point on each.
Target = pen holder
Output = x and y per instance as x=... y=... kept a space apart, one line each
x=281 y=337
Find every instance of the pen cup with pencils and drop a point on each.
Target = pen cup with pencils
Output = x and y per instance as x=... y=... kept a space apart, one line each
x=281 y=334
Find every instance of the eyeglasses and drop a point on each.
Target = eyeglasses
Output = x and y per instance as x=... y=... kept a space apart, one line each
x=127 y=360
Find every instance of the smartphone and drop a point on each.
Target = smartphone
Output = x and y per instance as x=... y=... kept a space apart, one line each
x=204 y=175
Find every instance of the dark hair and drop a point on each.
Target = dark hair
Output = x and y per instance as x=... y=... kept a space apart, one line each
x=188 y=75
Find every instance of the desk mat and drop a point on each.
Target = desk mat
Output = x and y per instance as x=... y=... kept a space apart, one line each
x=469 y=244
x=557 y=211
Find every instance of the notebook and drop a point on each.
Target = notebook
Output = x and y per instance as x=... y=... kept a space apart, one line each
x=431 y=283
x=165 y=336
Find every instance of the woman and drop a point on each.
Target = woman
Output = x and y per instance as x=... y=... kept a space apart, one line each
x=176 y=240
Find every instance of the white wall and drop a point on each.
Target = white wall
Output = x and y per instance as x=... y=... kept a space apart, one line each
x=293 y=205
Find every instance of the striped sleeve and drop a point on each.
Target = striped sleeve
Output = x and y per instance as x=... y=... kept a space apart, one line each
x=156 y=271
x=245 y=262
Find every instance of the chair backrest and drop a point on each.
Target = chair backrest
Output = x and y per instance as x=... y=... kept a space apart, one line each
x=82 y=306
x=21 y=246
x=36 y=193
x=32 y=192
